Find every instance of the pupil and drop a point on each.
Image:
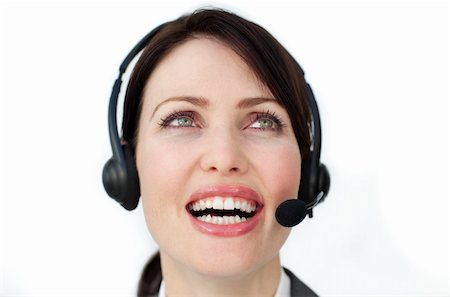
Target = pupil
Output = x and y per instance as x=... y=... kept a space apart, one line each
x=184 y=122
x=266 y=123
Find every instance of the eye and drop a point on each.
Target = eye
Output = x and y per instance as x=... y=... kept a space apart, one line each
x=266 y=121
x=182 y=122
x=179 y=119
x=263 y=124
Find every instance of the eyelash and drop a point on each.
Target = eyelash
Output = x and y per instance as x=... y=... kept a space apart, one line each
x=272 y=116
x=164 y=122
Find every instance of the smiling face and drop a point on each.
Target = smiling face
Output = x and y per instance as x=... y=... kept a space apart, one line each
x=216 y=154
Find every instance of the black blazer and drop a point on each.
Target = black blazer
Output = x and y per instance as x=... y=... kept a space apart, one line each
x=298 y=288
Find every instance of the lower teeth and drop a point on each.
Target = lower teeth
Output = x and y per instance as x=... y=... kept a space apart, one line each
x=225 y=220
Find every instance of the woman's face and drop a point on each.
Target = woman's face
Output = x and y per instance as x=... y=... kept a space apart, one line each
x=216 y=154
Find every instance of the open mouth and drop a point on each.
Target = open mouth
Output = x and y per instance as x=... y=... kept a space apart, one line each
x=223 y=210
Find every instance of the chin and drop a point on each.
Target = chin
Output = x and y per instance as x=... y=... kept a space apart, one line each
x=231 y=261
x=225 y=267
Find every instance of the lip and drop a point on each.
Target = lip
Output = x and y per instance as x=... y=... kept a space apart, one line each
x=230 y=230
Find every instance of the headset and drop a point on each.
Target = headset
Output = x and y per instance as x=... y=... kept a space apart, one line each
x=121 y=181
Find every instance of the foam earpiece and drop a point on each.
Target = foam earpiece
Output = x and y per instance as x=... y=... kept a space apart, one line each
x=121 y=181
x=291 y=212
x=324 y=180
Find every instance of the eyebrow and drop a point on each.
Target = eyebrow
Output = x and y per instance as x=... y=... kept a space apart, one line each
x=197 y=101
x=204 y=103
x=253 y=101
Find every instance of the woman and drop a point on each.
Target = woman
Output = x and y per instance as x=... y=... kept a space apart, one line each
x=216 y=118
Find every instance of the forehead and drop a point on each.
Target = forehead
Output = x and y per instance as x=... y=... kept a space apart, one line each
x=203 y=67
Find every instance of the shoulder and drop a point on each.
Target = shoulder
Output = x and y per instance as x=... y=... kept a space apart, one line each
x=298 y=288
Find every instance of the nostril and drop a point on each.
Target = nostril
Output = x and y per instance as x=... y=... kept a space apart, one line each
x=217 y=160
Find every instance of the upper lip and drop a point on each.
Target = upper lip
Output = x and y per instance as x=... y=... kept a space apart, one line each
x=223 y=190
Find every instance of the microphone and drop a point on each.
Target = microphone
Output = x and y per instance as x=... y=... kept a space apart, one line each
x=291 y=212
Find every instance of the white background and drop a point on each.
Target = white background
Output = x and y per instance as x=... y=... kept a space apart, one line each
x=380 y=72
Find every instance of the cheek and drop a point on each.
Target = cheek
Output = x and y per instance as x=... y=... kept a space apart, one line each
x=163 y=173
x=280 y=169
x=161 y=166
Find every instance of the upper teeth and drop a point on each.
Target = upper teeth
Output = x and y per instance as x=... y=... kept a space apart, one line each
x=223 y=203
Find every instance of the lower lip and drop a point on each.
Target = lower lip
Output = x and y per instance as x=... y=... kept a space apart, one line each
x=229 y=230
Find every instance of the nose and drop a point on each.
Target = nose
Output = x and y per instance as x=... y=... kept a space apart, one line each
x=224 y=153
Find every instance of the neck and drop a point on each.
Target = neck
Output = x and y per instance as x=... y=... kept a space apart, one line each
x=181 y=281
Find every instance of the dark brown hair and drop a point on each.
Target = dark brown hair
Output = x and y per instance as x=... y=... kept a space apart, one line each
x=265 y=56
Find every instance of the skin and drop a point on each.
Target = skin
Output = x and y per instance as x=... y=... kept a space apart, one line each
x=222 y=144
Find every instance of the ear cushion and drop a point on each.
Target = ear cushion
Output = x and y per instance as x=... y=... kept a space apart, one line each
x=306 y=191
x=323 y=183
x=121 y=181
x=311 y=185
x=133 y=192
x=114 y=179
